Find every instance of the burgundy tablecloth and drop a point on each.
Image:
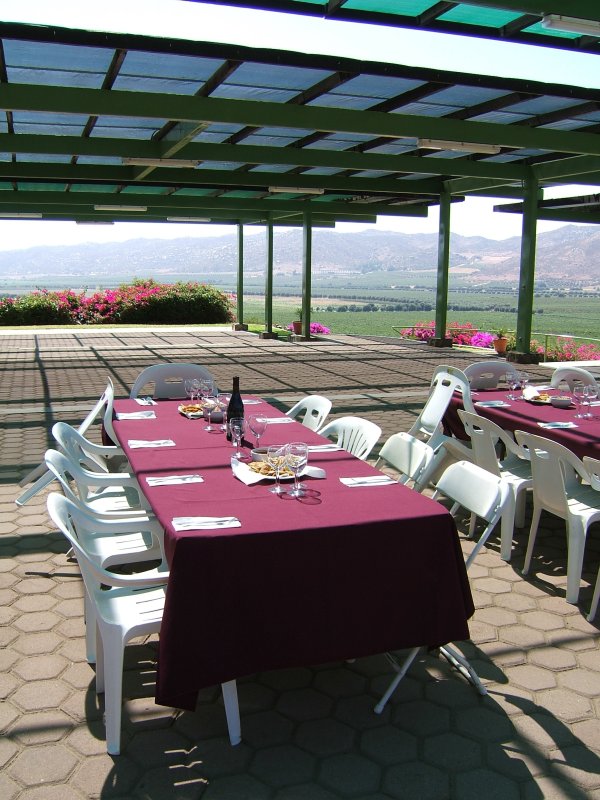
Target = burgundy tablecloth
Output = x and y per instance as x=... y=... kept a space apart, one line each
x=584 y=440
x=348 y=573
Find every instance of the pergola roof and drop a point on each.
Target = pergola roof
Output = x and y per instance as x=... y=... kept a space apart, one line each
x=505 y=20
x=225 y=126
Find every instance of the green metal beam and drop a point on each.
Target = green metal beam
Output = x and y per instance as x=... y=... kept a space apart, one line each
x=269 y=280
x=574 y=167
x=144 y=105
x=240 y=275
x=441 y=298
x=306 y=273
x=527 y=268
x=258 y=154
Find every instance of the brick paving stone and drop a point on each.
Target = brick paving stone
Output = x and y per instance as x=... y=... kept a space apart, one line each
x=582 y=681
x=388 y=745
x=8 y=788
x=237 y=787
x=552 y=658
x=578 y=765
x=43 y=764
x=41 y=727
x=566 y=705
x=417 y=779
x=452 y=752
x=283 y=765
x=531 y=677
x=350 y=775
x=469 y=786
x=325 y=737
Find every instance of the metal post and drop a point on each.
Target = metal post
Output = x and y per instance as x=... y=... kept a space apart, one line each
x=239 y=325
x=268 y=332
x=527 y=272
x=306 y=273
x=441 y=297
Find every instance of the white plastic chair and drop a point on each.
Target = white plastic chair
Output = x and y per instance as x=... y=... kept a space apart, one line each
x=482 y=494
x=354 y=434
x=168 y=379
x=405 y=454
x=429 y=426
x=570 y=376
x=79 y=448
x=592 y=466
x=487 y=374
x=314 y=409
x=561 y=486
x=112 y=493
x=513 y=468
x=131 y=606
x=41 y=476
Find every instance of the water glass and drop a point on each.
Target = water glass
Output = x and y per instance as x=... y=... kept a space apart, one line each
x=277 y=460
x=297 y=456
x=578 y=392
x=512 y=379
x=223 y=399
x=210 y=404
x=523 y=380
x=258 y=425
x=591 y=394
x=237 y=426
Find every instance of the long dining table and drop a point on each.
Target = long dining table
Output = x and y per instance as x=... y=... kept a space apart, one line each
x=345 y=572
x=583 y=438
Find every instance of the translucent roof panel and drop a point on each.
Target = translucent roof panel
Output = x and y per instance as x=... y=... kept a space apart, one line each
x=377 y=86
x=487 y=17
x=52 y=124
x=47 y=64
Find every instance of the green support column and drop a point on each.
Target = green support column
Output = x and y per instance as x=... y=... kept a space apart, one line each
x=306 y=273
x=441 y=296
x=268 y=331
x=527 y=274
x=239 y=325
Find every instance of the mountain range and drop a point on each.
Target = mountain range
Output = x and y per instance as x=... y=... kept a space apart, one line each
x=568 y=253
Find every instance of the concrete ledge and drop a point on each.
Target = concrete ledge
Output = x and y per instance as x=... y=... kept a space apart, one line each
x=239 y=326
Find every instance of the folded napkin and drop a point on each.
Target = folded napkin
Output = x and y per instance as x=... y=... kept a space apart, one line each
x=275 y=420
x=134 y=443
x=491 y=403
x=369 y=480
x=204 y=523
x=251 y=402
x=170 y=480
x=246 y=475
x=145 y=401
x=557 y=425
x=530 y=393
x=136 y=415
x=323 y=448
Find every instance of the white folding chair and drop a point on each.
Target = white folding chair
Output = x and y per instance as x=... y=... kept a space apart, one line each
x=570 y=376
x=512 y=467
x=405 y=454
x=561 y=486
x=485 y=495
x=487 y=374
x=354 y=434
x=313 y=409
x=168 y=379
x=40 y=475
x=125 y=606
x=112 y=493
x=592 y=466
x=429 y=426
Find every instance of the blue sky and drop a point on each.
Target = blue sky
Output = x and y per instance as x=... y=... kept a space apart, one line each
x=176 y=18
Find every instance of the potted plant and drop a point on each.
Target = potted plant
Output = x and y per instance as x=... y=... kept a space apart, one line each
x=297 y=323
x=501 y=341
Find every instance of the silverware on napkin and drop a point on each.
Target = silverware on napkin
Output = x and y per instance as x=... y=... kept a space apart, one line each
x=136 y=415
x=369 y=480
x=204 y=523
x=134 y=443
x=169 y=480
x=323 y=448
x=145 y=401
x=557 y=425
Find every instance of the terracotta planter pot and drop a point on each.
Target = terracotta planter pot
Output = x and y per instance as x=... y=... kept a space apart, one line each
x=500 y=345
x=297 y=326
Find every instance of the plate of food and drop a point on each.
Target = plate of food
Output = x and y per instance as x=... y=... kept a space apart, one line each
x=541 y=399
x=267 y=472
x=191 y=410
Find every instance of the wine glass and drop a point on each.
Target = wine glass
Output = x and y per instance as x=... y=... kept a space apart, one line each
x=191 y=386
x=512 y=379
x=258 y=425
x=523 y=380
x=277 y=459
x=210 y=404
x=578 y=392
x=591 y=394
x=297 y=456
x=237 y=426
x=223 y=399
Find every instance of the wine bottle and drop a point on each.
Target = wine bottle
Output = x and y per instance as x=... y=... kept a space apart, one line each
x=236 y=406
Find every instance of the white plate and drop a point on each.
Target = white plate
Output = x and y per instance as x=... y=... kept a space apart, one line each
x=190 y=414
x=271 y=477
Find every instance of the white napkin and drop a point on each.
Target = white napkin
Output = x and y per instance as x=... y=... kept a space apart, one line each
x=323 y=448
x=557 y=425
x=204 y=523
x=369 y=480
x=491 y=403
x=530 y=393
x=134 y=443
x=276 y=420
x=169 y=480
x=248 y=476
x=251 y=402
x=145 y=401
x=136 y=415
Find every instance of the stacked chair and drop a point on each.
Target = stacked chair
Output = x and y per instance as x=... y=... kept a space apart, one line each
x=354 y=434
x=312 y=410
x=570 y=376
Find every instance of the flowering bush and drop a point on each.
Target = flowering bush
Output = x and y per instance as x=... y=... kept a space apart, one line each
x=143 y=301
x=481 y=339
x=315 y=327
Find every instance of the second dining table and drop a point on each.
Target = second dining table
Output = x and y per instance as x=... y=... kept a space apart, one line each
x=345 y=572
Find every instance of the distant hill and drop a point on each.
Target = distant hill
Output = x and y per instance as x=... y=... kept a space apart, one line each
x=570 y=252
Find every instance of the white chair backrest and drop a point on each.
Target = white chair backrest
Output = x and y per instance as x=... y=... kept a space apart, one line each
x=75 y=445
x=487 y=374
x=485 y=435
x=60 y=466
x=168 y=379
x=556 y=471
x=592 y=466
x=570 y=375
x=407 y=455
x=446 y=380
x=354 y=434
x=315 y=409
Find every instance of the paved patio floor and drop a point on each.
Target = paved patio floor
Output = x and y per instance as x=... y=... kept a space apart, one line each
x=308 y=734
